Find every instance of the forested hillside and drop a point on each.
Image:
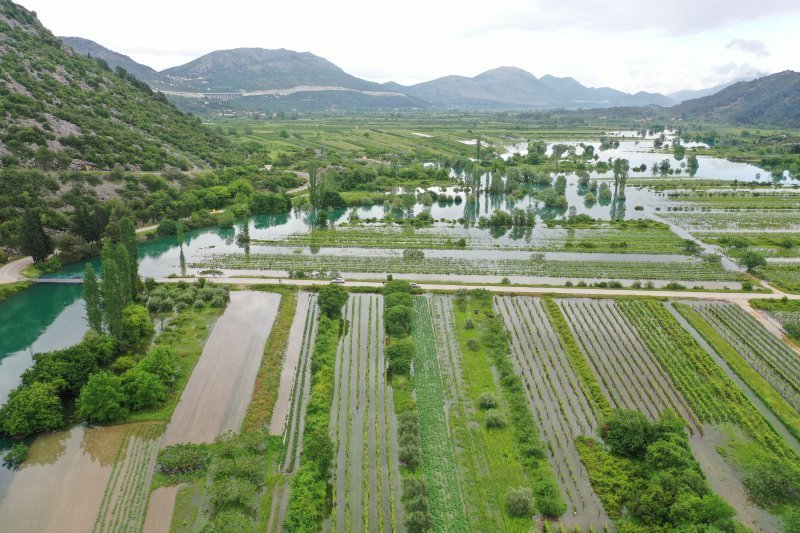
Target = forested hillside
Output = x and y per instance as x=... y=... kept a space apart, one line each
x=62 y=110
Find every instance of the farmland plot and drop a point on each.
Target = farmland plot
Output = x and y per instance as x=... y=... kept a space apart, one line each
x=712 y=395
x=438 y=455
x=628 y=373
x=771 y=358
x=125 y=500
x=486 y=469
x=288 y=418
x=562 y=411
x=366 y=494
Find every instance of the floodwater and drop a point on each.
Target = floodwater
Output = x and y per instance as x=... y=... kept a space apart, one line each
x=61 y=486
x=216 y=397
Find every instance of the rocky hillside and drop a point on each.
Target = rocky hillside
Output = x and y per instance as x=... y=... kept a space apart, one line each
x=63 y=110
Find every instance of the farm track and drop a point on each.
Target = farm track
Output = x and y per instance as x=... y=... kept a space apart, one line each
x=125 y=499
x=628 y=372
x=561 y=410
x=364 y=495
x=480 y=501
x=771 y=358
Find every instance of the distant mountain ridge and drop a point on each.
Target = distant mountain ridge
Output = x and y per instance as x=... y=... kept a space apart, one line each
x=269 y=80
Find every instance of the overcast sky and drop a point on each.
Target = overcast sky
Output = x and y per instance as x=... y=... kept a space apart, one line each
x=656 y=45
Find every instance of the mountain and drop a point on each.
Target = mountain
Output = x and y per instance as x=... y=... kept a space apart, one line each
x=113 y=59
x=513 y=88
x=254 y=69
x=773 y=100
x=61 y=109
x=690 y=94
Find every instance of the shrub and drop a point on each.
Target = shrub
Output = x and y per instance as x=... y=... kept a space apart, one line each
x=167 y=227
x=397 y=286
x=331 y=299
x=183 y=459
x=519 y=502
x=473 y=345
x=31 y=409
x=398 y=298
x=398 y=320
x=627 y=433
x=495 y=419
x=143 y=389
x=487 y=400
x=400 y=352
x=137 y=328
x=102 y=399
x=162 y=362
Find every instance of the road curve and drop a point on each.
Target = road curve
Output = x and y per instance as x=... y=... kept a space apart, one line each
x=12 y=272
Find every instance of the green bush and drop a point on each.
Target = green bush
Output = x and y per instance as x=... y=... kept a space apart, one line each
x=487 y=400
x=183 y=460
x=398 y=320
x=519 y=502
x=400 y=353
x=627 y=433
x=143 y=389
x=495 y=419
x=32 y=409
x=167 y=227
x=137 y=328
x=331 y=298
x=102 y=399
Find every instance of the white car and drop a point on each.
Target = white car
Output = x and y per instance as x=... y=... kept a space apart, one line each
x=414 y=285
x=338 y=281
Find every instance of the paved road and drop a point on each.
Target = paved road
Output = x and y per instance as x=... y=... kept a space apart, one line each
x=12 y=272
x=727 y=296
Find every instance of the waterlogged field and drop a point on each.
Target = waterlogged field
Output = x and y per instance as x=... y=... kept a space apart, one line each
x=779 y=220
x=777 y=244
x=690 y=270
x=769 y=356
x=562 y=409
x=366 y=477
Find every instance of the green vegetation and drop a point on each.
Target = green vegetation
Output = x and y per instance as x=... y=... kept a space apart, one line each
x=783 y=277
x=588 y=381
x=10 y=289
x=438 y=456
x=16 y=455
x=713 y=397
x=786 y=311
x=265 y=391
x=308 y=503
x=647 y=477
x=758 y=384
x=331 y=299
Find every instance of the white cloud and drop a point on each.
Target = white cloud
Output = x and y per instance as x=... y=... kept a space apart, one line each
x=658 y=46
x=753 y=46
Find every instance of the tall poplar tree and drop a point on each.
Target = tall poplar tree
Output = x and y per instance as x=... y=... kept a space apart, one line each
x=33 y=240
x=110 y=291
x=127 y=236
x=91 y=295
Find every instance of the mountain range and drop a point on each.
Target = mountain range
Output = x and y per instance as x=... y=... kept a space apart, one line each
x=259 y=80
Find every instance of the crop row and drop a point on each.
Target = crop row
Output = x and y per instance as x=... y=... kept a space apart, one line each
x=369 y=238
x=705 y=221
x=770 y=357
x=562 y=410
x=687 y=271
x=301 y=390
x=363 y=493
x=438 y=455
x=713 y=397
x=628 y=372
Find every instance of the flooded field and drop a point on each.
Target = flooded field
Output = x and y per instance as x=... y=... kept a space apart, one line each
x=215 y=398
x=61 y=485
